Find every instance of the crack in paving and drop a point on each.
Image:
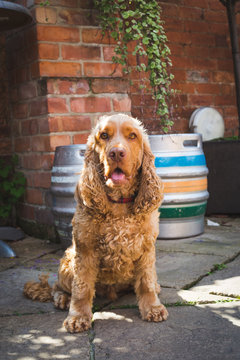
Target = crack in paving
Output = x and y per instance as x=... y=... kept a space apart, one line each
x=91 y=337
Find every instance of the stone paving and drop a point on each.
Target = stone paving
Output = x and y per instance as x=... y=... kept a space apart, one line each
x=200 y=279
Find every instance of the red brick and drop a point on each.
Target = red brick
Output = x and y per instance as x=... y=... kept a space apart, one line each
x=216 y=5
x=38 y=107
x=198 y=76
x=77 y=17
x=22 y=144
x=203 y=64
x=90 y=104
x=81 y=138
x=43 y=125
x=57 y=105
x=196 y=3
x=190 y=13
x=21 y=75
x=86 y=4
x=223 y=77
x=172 y=25
x=209 y=88
x=57 y=34
x=59 y=140
x=59 y=69
x=20 y=111
x=91 y=35
x=108 y=53
x=102 y=70
x=180 y=62
x=179 y=75
x=109 y=86
x=73 y=87
x=77 y=52
x=201 y=100
x=122 y=104
x=29 y=127
x=42 y=180
x=227 y=89
x=16 y=128
x=5 y=147
x=69 y=123
x=46 y=15
x=186 y=88
x=34 y=70
x=225 y=100
x=34 y=196
x=178 y=37
x=37 y=161
x=195 y=26
x=225 y=65
x=48 y=51
x=27 y=90
x=41 y=143
x=202 y=39
x=65 y=3
x=26 y=211
x=212 y=16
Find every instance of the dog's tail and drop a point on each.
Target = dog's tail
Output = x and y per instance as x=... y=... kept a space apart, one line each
x=40 y=291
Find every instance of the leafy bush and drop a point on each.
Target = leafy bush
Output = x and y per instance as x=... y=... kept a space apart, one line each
x=12 y=186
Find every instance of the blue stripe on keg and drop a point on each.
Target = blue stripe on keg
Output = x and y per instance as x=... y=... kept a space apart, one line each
x=192 y=160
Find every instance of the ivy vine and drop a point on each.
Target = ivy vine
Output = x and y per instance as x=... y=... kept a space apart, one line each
x=138 y=23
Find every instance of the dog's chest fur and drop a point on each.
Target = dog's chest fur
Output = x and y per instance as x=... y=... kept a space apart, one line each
x=121 y=243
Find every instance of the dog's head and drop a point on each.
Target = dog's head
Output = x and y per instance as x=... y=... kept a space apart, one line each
x=118 y=141
x=118 y=157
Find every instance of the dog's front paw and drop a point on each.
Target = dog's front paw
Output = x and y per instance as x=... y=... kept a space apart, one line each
x=75 y=324
x=61 y=300
x=157 y=313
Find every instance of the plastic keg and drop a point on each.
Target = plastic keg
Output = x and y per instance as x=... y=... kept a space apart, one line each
x=180 y=162
x=68 y=163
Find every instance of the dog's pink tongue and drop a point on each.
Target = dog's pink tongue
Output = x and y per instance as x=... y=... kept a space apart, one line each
x=118 y=176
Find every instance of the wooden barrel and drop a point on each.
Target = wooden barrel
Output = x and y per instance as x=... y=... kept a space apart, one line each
x=68 y=163
x=180 y=162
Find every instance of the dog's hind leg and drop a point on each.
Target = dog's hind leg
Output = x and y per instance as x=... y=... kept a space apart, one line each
x=63 y=287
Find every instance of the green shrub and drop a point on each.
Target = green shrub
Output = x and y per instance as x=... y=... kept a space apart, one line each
x=12 y=186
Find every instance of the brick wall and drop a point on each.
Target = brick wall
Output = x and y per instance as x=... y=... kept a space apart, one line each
x=61 y=79
x=202 y=64
x=5 y=130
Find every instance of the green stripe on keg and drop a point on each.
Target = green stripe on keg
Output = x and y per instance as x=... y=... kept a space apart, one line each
x=185 y=211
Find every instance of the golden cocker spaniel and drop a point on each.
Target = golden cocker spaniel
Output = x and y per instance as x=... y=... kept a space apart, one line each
x=115 y=226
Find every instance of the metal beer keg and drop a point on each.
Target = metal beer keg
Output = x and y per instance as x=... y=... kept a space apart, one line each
x=180 y=162
x=68 y=163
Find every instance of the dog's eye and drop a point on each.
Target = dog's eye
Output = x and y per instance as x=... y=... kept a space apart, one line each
x=132 y=136
x=104 y=136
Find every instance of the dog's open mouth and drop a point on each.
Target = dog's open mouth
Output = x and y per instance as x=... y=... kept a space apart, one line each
x=118 y=176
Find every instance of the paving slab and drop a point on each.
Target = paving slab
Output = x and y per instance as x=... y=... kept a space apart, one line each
x=202 y=332
x=37 y=337
x=170 y=297
x=179 y=269
x=12 y=300
x=28 y=249
x=223 y=242
x=225 y=281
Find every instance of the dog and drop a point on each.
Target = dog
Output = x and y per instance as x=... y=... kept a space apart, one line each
x=115 y=227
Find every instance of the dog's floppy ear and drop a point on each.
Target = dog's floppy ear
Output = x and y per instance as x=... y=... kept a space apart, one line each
x=90 y=190
x=150 y=194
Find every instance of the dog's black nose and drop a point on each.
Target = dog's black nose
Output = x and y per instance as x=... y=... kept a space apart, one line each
x=117 y=153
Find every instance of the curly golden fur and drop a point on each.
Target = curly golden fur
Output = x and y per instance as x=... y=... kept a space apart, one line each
x=115 y=225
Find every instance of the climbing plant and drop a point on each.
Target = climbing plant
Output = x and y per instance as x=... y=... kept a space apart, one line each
x=138 y=31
